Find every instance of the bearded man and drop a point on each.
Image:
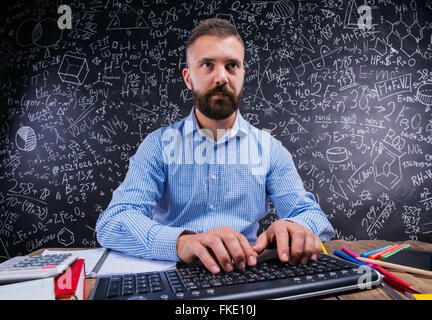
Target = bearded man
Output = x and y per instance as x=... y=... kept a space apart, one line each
x=196 y=190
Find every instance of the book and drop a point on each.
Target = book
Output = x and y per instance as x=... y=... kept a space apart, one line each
x=71 y=284
x=40 y=289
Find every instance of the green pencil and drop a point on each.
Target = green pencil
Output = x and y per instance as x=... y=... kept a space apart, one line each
x=393 y=252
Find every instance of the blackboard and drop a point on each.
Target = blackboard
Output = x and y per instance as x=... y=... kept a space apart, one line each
x=352 y=103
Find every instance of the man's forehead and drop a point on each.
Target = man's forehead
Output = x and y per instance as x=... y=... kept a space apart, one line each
x=215 y=48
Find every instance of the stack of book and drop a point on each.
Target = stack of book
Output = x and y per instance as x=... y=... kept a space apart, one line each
x=70 y=285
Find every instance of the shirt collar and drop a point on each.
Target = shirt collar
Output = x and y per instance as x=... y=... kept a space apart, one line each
x=240 y=126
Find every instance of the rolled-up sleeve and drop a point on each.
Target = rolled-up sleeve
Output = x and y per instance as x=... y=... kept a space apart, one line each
x=291 y=201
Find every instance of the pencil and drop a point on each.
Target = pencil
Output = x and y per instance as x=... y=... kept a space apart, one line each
x=397 y=267
x=323 y=249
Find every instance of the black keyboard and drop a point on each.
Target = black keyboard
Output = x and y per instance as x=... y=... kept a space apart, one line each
x=269 y=279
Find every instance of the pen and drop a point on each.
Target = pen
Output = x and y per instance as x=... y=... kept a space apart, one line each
x=389 y=250
x=375 y=255
x=389 y=280
x=395 y=251
x=347 y=257
x=368 y=253
x=378 y=268
x=398 y=285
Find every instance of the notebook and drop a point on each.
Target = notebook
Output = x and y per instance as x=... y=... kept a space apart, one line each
x=104 y=261
x=412 y=258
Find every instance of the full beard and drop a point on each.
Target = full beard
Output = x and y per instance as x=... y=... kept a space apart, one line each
x=217 y=109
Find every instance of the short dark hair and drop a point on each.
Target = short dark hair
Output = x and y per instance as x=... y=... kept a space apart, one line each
x=213 y=27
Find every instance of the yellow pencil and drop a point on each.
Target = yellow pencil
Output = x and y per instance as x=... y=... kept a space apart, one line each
x=323 y=249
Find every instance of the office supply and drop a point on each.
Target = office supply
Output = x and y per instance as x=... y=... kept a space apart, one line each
x=349 y=252
x=378 y=268
x=35 y=267
x=269 y=279
x=100 y=262
x=323 y=248
x=104 y=261
x=394 y=251
x=391 y=292
x=347 y=257
x=368 y=253
x=422 y=296
x=40 y=289
x=379 y=253
x=120 y=263
x=397 y=267
x=389 y=250
x=91 y=256
x=71 y=284
x=399 y=285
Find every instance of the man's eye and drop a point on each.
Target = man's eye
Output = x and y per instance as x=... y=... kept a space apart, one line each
x=206 y=65
x=233 y=66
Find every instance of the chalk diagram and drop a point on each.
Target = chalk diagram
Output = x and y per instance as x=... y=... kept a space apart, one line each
x=25 y=139
x=226 y=16
x=293 y=127
x=65 y=237
x=337 y=154
x=424 y=95
x=44 y=33
x=405 y=38
x=351 y=16
x=336 y=188
x=73 y=69
x=387 y=169
x=283 y=9
x=127 y=18
x=318 y=63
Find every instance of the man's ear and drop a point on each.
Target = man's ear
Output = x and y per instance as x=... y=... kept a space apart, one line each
x=186 y=78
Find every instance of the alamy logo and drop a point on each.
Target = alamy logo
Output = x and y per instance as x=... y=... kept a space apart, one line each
x=65 y=20
x=365 y=20
x=365 y=280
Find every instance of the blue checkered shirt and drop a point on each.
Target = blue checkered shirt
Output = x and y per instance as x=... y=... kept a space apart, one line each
x=182 y=180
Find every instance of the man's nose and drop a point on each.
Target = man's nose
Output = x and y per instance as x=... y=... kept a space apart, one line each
x=221 y=75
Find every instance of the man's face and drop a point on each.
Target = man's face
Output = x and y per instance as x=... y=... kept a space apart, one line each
x=215 y=75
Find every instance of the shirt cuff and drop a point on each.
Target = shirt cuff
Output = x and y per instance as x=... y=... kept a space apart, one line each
x=301 y=222
x=325 y=234
x=165 y=242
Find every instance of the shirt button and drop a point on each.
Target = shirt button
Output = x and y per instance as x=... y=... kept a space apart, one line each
x=211 y=206
x=213 y=177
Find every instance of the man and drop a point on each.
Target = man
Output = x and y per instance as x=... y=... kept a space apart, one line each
x=197 y=189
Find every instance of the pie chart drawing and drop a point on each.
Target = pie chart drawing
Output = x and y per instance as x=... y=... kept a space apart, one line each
x=25 y=139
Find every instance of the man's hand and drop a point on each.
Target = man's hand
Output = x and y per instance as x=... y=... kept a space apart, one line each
x=225 y=244
x=305 y=246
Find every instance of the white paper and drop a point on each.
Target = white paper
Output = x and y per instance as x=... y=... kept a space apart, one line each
x=40 y=289
x=119 y=263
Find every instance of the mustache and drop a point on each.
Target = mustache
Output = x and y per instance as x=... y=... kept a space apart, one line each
x=220 y=89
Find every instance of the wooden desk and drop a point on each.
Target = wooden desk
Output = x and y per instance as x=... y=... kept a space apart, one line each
x=419 y=283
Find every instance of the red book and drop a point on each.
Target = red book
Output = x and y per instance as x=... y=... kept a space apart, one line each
x=70 y=285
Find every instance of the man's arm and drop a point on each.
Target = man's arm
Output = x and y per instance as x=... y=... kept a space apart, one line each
x=301 y=221
x=127 y=224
